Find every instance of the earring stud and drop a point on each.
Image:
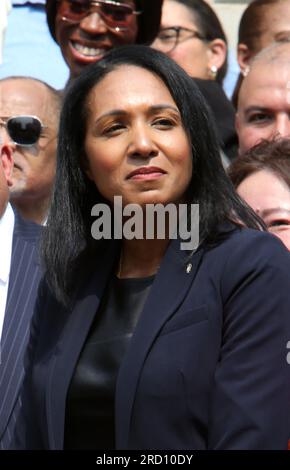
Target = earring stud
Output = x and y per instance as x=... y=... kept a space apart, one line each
x=213 y=71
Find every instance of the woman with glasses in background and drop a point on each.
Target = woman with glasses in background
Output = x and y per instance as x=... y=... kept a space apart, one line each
x=86 y=30
x=192 y=35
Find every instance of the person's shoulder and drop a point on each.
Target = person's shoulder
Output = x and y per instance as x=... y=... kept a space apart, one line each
x=247 y=251
x=253 y=259
x=249 y=247
x=249 y=238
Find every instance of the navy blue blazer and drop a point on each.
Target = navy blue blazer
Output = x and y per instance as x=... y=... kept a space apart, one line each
x=206 y=367
x=22 y=289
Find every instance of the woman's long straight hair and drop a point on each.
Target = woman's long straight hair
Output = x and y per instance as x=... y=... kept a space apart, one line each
x=68 y=246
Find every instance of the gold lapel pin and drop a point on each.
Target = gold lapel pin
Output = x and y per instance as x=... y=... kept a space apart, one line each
x=188 y=268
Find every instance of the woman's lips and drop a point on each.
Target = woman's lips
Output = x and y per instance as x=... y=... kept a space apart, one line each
x=146 y=173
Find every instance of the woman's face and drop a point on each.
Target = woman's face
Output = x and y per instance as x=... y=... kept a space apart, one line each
x=191 y=53
x=135 y=144
x=269 y=196
x=89 y=39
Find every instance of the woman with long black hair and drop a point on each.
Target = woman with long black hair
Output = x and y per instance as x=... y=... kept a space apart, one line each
x=140 y=342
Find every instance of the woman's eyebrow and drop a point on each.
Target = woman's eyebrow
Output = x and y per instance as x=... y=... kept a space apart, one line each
x=158 y=107
x=274 y=210
x=114 y=112
x=122 y=112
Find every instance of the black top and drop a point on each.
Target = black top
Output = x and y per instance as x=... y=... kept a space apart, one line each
x=90 y=414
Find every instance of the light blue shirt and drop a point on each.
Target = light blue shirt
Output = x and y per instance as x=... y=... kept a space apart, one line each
x=231 y=77
x=25 y=2
x=29 y=49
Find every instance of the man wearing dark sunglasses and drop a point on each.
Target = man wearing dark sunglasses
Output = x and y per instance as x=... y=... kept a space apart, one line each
x=29 y=114
x=86 y=30
x=19 y=278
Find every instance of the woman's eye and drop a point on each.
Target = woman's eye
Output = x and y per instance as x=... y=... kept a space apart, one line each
x=114 y=128
x=167 y=35
x=278 y=223
x=164 y=123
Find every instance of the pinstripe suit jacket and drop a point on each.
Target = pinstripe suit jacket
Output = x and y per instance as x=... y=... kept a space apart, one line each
x=23 y=283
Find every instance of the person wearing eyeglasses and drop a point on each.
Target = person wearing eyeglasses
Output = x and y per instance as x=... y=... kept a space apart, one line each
x=87 y=29
x=192 y=35
x=29 y=115
x=19 y=278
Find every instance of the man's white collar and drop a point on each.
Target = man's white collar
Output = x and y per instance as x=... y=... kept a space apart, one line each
x=6 y=237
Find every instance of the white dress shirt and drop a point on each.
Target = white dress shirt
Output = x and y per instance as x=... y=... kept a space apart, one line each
x=6 y=237
x=5 y=6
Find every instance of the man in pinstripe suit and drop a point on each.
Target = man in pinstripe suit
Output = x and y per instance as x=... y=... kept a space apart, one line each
x=19 y=278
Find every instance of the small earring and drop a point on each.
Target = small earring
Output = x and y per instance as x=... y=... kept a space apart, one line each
x=213 y=70
x=245 y=71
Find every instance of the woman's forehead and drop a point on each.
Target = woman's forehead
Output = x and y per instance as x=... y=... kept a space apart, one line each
x=128 y=83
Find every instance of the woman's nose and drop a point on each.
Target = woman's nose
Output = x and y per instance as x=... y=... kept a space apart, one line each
x=142 y=144
x=93 y=23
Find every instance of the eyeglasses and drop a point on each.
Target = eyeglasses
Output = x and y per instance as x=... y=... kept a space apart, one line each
x=23 y=130
x=116 y=15
x=169 y=38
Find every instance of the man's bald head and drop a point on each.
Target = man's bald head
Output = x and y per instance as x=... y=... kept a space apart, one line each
x=52 y=103
x=34 y=168
x=264 y=99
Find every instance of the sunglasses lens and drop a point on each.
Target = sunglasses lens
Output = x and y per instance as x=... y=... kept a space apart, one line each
x=113 y=14
x=24 y=130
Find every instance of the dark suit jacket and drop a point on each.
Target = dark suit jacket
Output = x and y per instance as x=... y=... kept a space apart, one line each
x=206 y=367
x=23 y=283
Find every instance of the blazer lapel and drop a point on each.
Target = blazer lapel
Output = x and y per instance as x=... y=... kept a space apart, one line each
x=78 y=323
x=171 y=285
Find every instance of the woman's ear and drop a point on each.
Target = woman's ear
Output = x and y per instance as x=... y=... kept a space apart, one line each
x=243 y=57
x=217 y=54
x=6 y=155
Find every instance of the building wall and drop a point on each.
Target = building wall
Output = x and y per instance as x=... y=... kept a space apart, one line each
x=230 y=12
